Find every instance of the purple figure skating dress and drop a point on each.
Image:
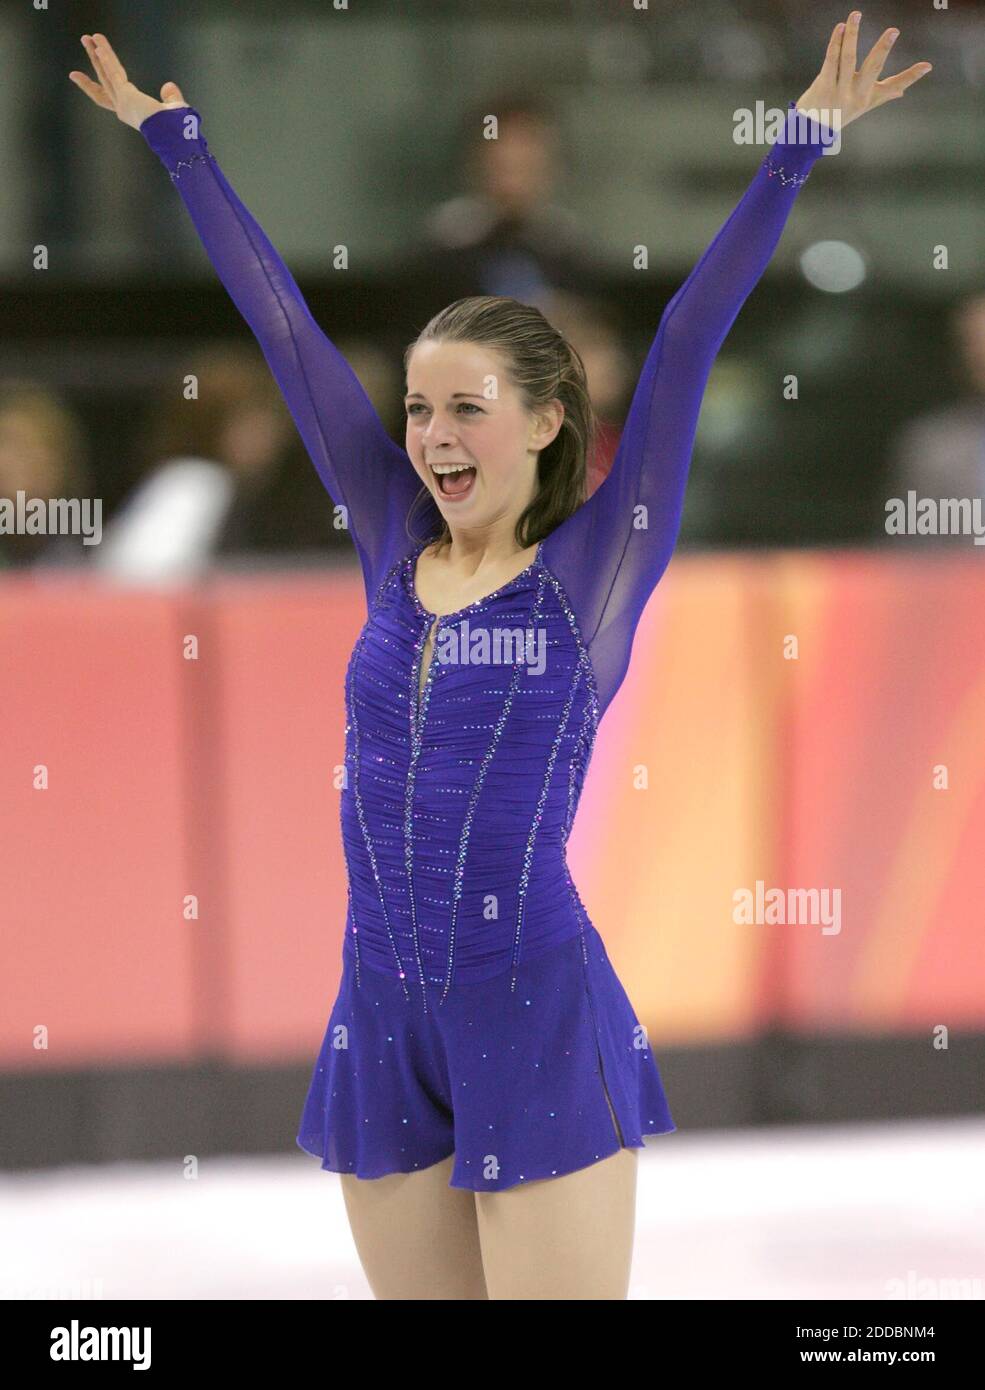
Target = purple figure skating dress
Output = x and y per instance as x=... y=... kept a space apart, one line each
x=478 y=1013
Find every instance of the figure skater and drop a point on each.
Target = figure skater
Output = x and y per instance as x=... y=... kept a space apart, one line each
x=484 y=1085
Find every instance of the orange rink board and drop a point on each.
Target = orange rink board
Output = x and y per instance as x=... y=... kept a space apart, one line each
x=812 y=723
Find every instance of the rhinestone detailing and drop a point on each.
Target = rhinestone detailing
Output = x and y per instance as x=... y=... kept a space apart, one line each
x=535 y=823
x=418 y=705
x=187 y=163
x=411 y=561
x=474 y=798
x=367 y=838
x=351 y=726
x=583 y=751
x=384 y=584
x=580 y=759
x=355 y=929
x=777 y=171
x=464 y=780
x=416 y=724
x=591 y=716
x=580 y=911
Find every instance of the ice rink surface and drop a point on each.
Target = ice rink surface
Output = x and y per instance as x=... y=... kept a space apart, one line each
x=840 y=1212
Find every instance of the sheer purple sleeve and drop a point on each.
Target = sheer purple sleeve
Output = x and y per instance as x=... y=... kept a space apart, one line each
x=612 y=551
x=362 y=468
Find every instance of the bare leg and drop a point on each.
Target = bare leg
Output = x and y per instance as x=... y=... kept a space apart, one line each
x=417 y=1237
x=562 y=1238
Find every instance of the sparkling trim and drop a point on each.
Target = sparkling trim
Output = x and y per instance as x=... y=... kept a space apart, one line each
x=584 y=742
x=355 y=929
x=417 y=708
x=580 y=911
x=385 y=583
x=535 y=823
x=477 y=788
x=187 y=163
x=591 y=715
x=375 y=603
x=777 y=171
x=353 y=725
x=410 y=562
x=378 y=598
x=586 y=660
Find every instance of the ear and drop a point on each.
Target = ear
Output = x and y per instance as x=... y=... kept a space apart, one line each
x=550 y=418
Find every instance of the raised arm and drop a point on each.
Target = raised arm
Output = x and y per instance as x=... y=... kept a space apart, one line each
x=363 y=469
x=611 y=553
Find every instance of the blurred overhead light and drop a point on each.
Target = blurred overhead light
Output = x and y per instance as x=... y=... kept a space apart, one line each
x=833 y=266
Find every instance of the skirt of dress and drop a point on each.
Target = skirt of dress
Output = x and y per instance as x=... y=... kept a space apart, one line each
x=517 y=1083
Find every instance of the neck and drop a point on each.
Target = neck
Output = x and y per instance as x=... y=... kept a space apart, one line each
x=475 y=547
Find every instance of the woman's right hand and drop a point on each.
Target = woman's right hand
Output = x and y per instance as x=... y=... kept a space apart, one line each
x=115 y=91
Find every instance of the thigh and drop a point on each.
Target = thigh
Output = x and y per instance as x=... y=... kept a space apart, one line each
x=562 y=1238
x=417 y=1238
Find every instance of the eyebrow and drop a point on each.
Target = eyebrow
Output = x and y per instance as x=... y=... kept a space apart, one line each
x=411 y=394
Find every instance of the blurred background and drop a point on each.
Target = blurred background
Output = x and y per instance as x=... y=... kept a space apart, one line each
x=173 y=719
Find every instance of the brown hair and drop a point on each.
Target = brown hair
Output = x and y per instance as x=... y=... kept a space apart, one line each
x=57 y=427
x=542 y=366
x=231 y=377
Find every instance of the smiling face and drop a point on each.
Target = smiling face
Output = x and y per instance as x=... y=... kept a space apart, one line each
x=463 y=409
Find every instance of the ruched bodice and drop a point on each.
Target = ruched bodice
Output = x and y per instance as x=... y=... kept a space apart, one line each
x=456 y=812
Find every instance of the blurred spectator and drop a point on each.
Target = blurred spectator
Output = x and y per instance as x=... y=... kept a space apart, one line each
x=504 y=235
x=941 y=454
x=43 y=453
x=591 y=330
x=216 y=459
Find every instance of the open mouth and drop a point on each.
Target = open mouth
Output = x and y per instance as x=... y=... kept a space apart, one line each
x=455 y=484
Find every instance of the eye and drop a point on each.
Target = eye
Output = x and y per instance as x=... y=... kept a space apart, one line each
x=467 y=405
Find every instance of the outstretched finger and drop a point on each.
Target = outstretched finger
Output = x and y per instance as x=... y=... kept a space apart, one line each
x=876 y=60
x=849 y=47
x=100 y=71
x=114 y=68
x=91 y=89
x=829 y=68
x=891 y=87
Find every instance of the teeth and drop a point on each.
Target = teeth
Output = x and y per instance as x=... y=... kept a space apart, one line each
x=450 y=467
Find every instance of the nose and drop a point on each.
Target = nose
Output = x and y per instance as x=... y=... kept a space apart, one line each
x=437 y=433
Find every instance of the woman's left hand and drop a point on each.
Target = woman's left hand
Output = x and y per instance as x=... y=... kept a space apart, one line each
x=845 y=94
